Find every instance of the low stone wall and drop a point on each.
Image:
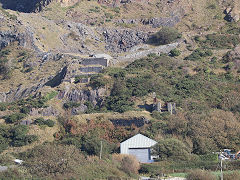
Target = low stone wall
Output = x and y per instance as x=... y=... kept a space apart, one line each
x=139 y=122
x=95 y=61
x=135 y=52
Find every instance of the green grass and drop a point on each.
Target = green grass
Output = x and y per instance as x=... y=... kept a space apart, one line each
x=216 y=173
x=178 y=175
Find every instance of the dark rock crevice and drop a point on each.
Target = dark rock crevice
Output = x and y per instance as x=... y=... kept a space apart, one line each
x=26 y=6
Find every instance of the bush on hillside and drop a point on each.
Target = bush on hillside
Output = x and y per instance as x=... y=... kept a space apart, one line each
x=198 y=54
x=165 y=36
x=219 y=41
x=3 y=106
x=3 y=144
x=49 y=123
x=69 y=105
x=175 y=52
x=92 y=144
x=41 y=121
x=119 y=103
x=129 y=163
x=14 y=118
x=25 y=110
x=222 y=41
x=172 y=149
x=235 y=175
x=17 y=136
x=52 y=160
x=200 y=175
x=97 y=81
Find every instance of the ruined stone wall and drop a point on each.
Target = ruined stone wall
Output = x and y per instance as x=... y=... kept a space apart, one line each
x=95 y=61
x=139 y=122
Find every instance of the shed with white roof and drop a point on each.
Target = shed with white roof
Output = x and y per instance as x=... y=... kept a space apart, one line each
x=139 y=146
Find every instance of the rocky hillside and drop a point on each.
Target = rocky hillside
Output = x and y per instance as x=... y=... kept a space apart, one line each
x=76 y=70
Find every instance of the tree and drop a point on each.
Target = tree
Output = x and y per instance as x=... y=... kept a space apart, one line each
x=173 y=149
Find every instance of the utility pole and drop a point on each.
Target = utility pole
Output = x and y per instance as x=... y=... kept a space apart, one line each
x=101 y=151
x=221 y=169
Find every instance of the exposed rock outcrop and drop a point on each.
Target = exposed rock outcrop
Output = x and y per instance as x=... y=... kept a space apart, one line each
x=80 y=95
x=232 y=14
x=25 y=5
x=78 y=110
x=49 y=111
x=28 y=6
x=25 y=39
x=124 y=39
x=154 y=22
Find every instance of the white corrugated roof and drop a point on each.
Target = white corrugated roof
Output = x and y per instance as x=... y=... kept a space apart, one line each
x=139 y=141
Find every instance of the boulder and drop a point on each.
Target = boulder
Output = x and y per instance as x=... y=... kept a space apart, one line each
x=232 y=14
x=78 y=110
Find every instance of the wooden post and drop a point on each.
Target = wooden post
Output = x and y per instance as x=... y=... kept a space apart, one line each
x=101 y=151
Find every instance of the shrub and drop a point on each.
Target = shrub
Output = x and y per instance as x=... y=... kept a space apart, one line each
x=41 y=121
x=129 y=163
x=5 y=159
x=3 y=106
x=212 y=6
x=25 y=110
x=200 y=175
x=3 y=144
x=97 y=81
x=49 y=123
x=79 y=78
x=175 y=52
x=50 y=95
x=13 y=118
x=198 y=54
x=50 y=160
x=119 y=103
x=24 y=140
x=13 y=173
x=90 y=107
x=222 y=41
x=92 y=144
x=231 y=175
x=69 y=105
x=165 y=36
x=19 y=136
x=19 y=131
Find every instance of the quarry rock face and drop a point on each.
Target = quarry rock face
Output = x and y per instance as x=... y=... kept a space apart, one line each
x=121 y=40
x=79 y=95
x=25 y=39
x=34 y=5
